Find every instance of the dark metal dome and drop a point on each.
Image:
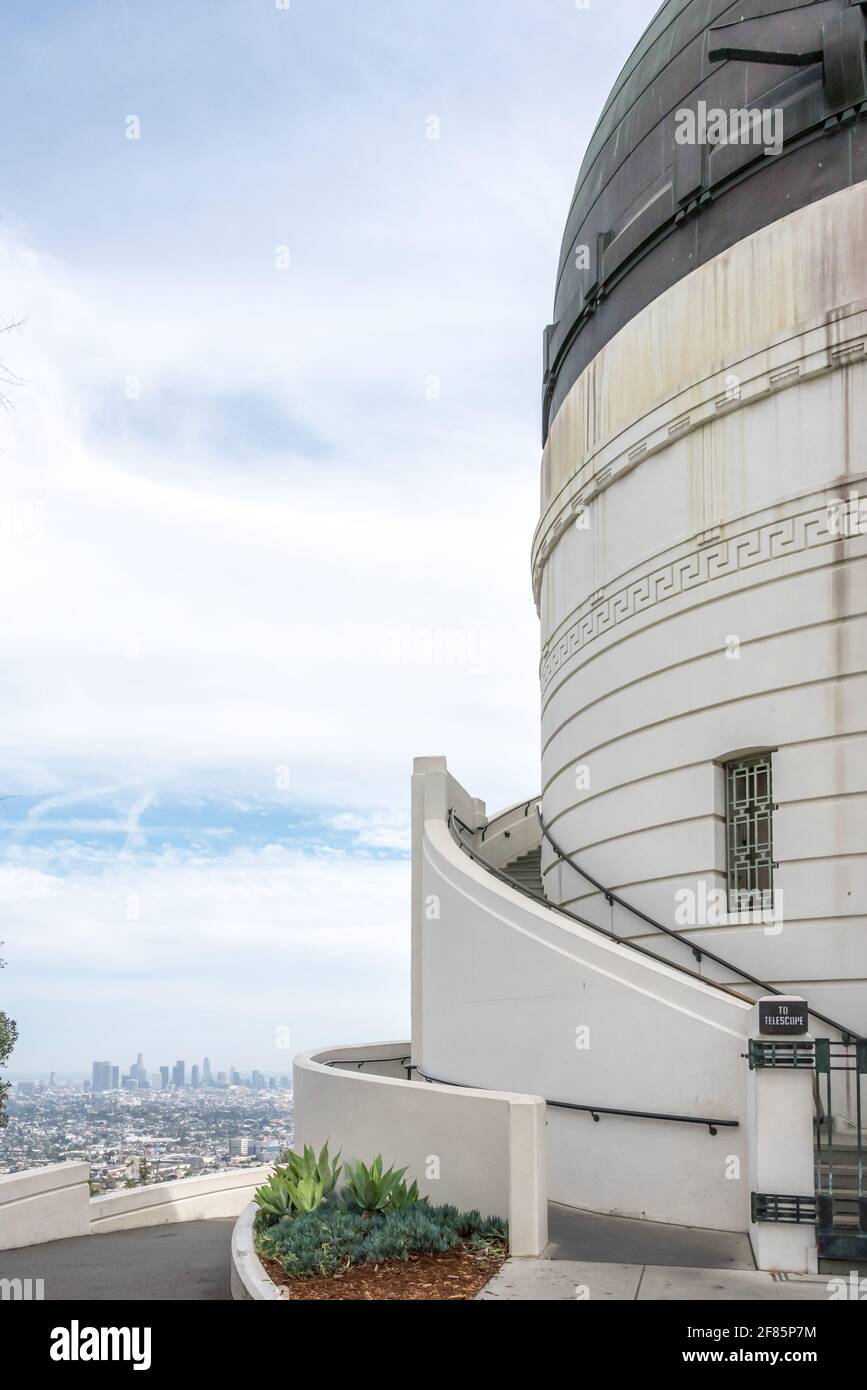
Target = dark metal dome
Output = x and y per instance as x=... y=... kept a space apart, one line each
x=649 y=209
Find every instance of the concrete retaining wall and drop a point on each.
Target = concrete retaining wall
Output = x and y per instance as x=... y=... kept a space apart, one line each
x=54 y=1202
x=514 y=995
x=472 y=1148
x=188 y=1199
x=44 y=1204
x=249 y=1278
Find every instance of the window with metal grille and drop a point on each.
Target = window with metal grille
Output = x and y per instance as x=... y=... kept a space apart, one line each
x=749 y=834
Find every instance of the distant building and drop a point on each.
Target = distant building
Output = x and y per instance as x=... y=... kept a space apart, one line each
x=239 y=1148
x=206 y=1072
x=100 y=1076
x=194 y=1075
x=115 y=1078
x=179 y=1074
x=164 y=1078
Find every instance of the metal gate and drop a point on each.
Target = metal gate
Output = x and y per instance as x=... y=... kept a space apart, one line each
x=841 y=1194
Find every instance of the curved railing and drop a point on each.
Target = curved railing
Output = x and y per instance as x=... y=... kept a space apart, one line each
x=700 y=953
x=712 y=1123
x=596 y=1110
x=456 y=825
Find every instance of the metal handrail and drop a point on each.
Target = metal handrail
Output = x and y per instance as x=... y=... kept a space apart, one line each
x=699 y=952
x=594 y=1110
x=455 y=820
x=508 y=810
x=363 y=1061
x=597 y=1110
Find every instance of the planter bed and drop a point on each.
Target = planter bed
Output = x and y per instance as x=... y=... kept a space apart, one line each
x=372 y=1237
x=457 y=1275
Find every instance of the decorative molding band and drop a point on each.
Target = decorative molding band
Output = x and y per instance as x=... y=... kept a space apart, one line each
x=716 y=559
x=811 y=353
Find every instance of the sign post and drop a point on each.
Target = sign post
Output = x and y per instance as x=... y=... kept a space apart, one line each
x=780 y=1121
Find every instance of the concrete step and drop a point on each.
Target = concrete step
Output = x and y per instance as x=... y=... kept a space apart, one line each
x=526 y=870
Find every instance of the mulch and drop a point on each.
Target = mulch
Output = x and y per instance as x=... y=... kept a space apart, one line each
x=456 y=1275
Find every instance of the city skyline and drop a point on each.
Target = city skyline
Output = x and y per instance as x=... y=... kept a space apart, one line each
x=206 y=1072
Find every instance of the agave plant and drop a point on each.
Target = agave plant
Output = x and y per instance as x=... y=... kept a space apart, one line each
x=306 y=1194
x=322 y=1169
x=273 y=1198
x=403 y=1197
x=371 y=1189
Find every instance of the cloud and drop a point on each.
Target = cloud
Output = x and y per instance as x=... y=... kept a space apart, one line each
x=268 y=487
x=170 y=951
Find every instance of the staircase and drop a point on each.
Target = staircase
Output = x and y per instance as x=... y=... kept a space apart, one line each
x=526 y=871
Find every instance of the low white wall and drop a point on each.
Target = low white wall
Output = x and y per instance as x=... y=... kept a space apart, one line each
x=54 y=1202
x=249 y=1280
x=187 y=1199
x=471 y=1148
x=43 y=1204
x=516 y=997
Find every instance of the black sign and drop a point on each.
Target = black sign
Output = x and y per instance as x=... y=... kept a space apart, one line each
x=782 y=1017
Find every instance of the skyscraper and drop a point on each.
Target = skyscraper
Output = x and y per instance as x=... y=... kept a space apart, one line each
x=100 y=1076
x=179 y=1072
x=206 y=1072
x=115 y=1078
x=164 y=1078
x=194 y=1075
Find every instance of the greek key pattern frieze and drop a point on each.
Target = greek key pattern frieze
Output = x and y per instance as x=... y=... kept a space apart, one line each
x=719 y=560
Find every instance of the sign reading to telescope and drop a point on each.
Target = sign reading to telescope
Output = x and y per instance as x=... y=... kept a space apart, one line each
x=782 y=1017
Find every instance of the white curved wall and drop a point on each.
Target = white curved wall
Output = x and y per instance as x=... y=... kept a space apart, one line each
x=41 y=1204
x=471 y=1148
x=54 y=1202
x=686 y=489
x=517 y=998
x=187 y=1199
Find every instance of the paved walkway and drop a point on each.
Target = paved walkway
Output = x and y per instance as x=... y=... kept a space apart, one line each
x=588 y=1237
x=589 y=1257
x=562 y=1280
x=595 y=1257
x=189 y=1260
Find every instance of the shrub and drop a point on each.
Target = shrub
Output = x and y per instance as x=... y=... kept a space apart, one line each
x=318 y=1242
x=333 y=1237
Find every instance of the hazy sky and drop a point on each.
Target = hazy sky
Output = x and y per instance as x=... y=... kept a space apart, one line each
x=268 y=481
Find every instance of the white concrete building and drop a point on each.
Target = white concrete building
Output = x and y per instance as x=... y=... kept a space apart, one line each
x=700 y=569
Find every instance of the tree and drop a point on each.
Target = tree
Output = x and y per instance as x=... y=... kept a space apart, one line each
x=8 y=1035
